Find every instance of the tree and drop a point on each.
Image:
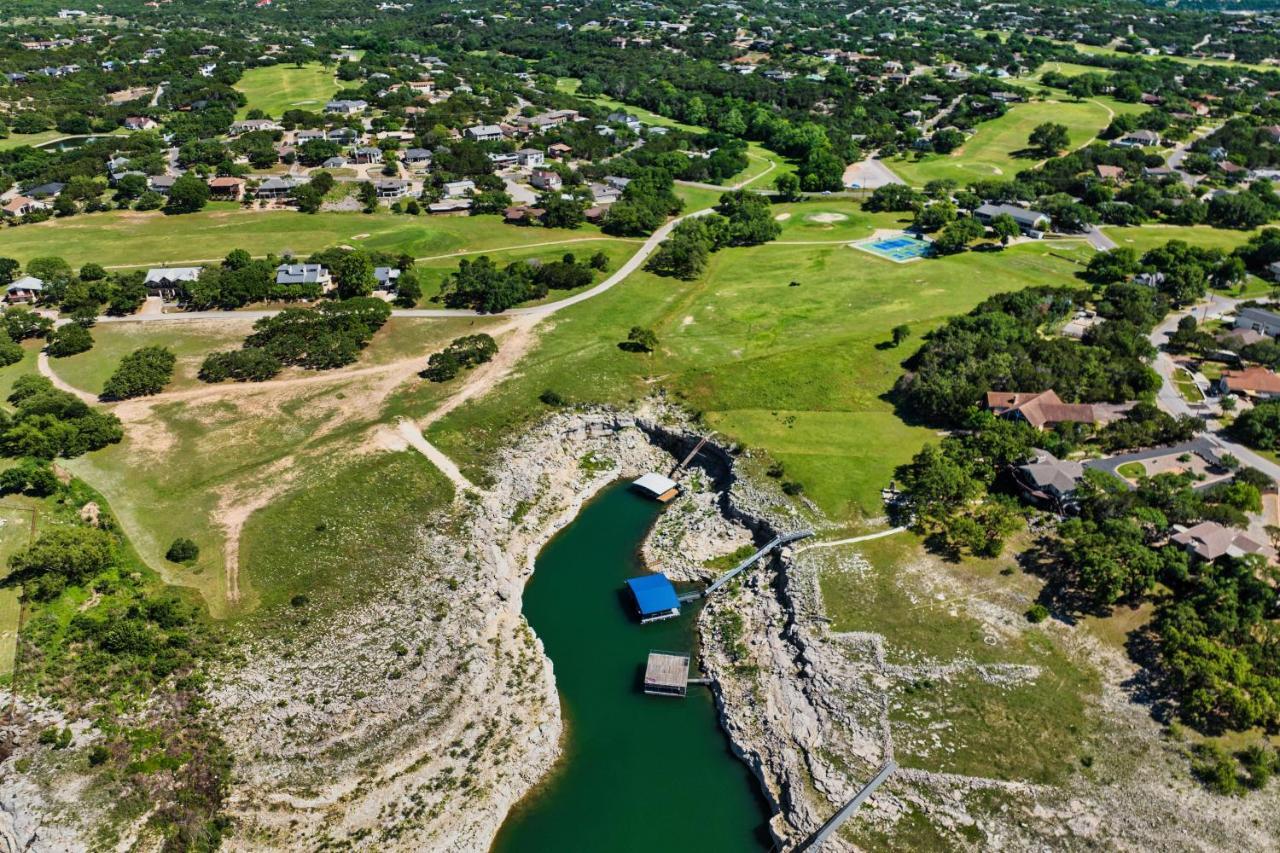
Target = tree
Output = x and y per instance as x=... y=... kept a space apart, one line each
x=8 y=270
x=900 y=334
x=73 y=553
x=182 y=550
x=684 y=254
x=642 y=339
x=188 y=194
x=788 y=187
x=1049 y=138
x=958 y=235
x=308 y=198
x=69 y=339
x=143 y=372
x=1005 y=227
x=354 y=272
x=408 y=289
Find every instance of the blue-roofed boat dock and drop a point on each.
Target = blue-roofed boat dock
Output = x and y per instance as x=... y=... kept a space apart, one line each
x=655 y=598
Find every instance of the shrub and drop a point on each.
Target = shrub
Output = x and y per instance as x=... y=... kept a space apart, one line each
x=553 y=398
x=70 y=339
x=141 y=373
x=1037 y=613
x=464 y=352
x=182 y=550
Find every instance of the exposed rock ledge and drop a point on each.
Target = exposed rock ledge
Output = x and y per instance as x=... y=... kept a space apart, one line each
x=330 y=747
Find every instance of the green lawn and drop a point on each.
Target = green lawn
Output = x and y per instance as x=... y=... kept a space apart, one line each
x=1132 y=470
x=130 y=238
x=17 y=140
x=277 y=88
x=1070 y=69
x=800 y=372
x=1146 y=237
x=1187 y=387
x=998 y=148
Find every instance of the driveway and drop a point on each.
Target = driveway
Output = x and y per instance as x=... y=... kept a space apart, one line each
x=870 y=174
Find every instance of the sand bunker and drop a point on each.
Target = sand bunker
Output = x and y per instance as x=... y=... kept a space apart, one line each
x=826 y=218
x=782 y=217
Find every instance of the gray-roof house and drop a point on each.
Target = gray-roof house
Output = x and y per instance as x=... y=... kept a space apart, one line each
x=346 y=107
x=1032 y=222
x=1210 y=540
x=26 y=289
x=484 y=132
x=386 y=277
x=167 y=282
x=276 y=188
x=1258 y=320
x=303 y=274
x=1050 y=481
x=1274 y=271
x=417 y=158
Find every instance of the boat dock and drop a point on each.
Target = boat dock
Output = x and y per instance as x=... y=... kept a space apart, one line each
x=666 y=674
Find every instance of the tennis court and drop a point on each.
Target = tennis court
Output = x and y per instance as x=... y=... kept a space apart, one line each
x=899 y=249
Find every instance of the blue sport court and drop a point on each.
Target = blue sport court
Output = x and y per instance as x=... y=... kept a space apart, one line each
x=898 y=249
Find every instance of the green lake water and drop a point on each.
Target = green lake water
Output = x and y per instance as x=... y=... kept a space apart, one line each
x=638 y=772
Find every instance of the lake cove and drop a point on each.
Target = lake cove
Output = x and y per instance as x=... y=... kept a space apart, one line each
x=637 y=772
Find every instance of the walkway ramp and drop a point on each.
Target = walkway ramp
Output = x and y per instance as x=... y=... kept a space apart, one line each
x=816 y=841
x=776 y=542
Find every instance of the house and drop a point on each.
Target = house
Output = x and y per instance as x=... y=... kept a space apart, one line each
x=559 y=151
x=1259 y=320
x=546 y=179
x=275 y=189
x=1111 y=174
x=386 y=277
x=457 y=189
x=50 y=190
x=335 y=162
x=450 y=207
x=1253 y=381
x=530 y=157
x=26 y=289
x=227 y=188
x=252 y=125
x=391 y=188
x=364 y=154
x=503 y=159
x=345 y=107
x=21 y=205
x=417 y=158
x=522 y=214
x=1273 y=269
x=1232 y=170
x=140 y=123
x=632 y=123
x=1032 y=222
x=161 y=183
x=1040 y=409
x=302 y=137
x=605 y=194
x=1210 y=540
x=169 y=282
x=303 y=274
x=484 y=133
x=1137 y=139
x=1049 y=481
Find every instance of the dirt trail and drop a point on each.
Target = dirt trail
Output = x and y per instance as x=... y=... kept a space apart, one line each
x=46 y=370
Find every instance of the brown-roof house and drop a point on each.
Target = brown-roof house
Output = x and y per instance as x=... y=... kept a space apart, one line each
x=1210 y=540
x=1045 y=409
x=1251 y=382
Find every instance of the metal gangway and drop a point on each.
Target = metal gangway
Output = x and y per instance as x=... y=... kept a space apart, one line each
x=680 y=466
x=816 y=841
x=776 y=542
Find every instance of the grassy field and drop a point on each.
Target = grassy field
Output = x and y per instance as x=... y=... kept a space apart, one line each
x=130 y=238
x=801 y=372
x=17 y=523
x=1146 y=237
x=998 y=148
x=277 y=88
x=191 y=463
x=1187 y=387
x=190 y=342
x=1033 y=730
x=1132 y=470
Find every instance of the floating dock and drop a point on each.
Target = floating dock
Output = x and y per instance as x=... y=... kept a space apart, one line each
x=666 y=674
x=660 y=488
x=655 y=598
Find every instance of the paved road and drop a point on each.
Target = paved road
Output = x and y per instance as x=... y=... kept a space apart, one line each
x=870 y=174
x=1098 y=240
x=1169 y=400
